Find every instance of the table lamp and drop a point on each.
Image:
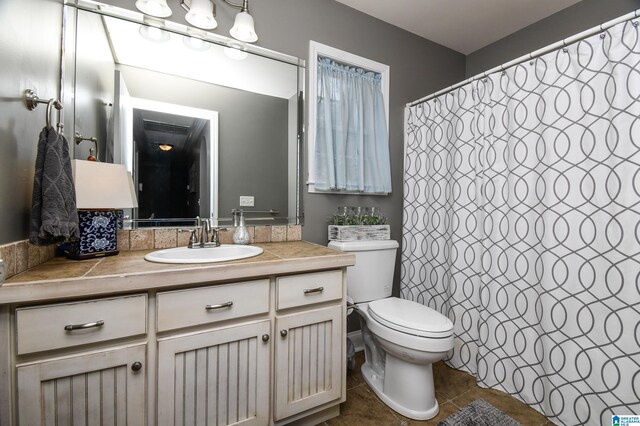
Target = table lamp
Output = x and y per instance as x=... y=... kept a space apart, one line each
x=102 y=191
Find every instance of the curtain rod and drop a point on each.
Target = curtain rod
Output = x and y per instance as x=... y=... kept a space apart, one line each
x=536 y=53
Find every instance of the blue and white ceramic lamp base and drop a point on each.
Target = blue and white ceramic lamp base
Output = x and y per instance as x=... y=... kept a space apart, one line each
x=98 y=234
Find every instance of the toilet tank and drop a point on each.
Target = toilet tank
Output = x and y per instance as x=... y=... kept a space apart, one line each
x=371 y=278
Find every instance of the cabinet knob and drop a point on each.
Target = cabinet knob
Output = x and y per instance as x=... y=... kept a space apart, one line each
x=265 y=337
x=283 y=333
x=136 y=366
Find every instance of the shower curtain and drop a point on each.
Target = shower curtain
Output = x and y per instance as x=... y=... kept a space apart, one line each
x=522 y=225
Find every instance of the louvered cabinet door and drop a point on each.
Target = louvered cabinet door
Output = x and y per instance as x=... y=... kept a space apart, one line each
x=309 y=356
x=216 y=377
x=106 y=388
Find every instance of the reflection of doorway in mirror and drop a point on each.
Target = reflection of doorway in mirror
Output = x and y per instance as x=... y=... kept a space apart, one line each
x=174 y=151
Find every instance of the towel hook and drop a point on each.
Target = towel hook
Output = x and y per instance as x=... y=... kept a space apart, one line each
x=79 y=138
x=33 y=100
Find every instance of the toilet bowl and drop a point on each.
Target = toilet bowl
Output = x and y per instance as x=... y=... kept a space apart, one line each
x=402 y=338
x=398 y=359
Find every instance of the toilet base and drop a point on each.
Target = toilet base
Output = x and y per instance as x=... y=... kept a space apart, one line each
x=376 y=382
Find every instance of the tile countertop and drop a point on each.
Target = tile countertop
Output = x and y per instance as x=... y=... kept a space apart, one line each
x=62 y=278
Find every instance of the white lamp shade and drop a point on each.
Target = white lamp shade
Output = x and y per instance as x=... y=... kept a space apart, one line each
x=243 y=28
x=103 y=186
x=201 y=15
x=157 y=8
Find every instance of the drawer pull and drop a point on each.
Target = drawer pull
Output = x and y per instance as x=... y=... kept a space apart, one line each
x=265 y=337
x=220 y=306
x=283 y=333
x=313 y=290
x=136 y=366
x=71 y=327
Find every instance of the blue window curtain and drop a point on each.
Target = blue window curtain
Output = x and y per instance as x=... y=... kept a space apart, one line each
x=351 y=147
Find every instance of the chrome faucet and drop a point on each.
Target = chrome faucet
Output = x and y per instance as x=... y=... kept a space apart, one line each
x=204 y=232
x=199 y=237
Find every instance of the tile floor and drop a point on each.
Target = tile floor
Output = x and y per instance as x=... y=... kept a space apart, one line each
x=454 y=389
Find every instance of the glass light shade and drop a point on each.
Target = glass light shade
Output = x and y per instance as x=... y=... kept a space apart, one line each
x=103 y=186
x=157 y=8
x=201 y=15
x=243 y=28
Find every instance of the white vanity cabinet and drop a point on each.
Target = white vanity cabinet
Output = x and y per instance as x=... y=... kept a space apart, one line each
x=267 y=350
x=233 y=369
x=220 y=375
x=309 y=342
x=81 y=385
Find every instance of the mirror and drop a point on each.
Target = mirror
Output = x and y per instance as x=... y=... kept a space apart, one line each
x=205 y=125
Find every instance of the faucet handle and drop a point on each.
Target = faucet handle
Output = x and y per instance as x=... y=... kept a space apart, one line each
x=215 y=237
x=193 y=238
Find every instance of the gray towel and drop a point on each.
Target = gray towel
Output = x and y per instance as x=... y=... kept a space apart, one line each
x=54 y=218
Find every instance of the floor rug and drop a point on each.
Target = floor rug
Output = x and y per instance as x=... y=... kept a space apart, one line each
x=479 y=413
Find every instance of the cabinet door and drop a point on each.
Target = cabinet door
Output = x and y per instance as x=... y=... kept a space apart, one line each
x=216 y=377
x=104 y=388
x=309 y=357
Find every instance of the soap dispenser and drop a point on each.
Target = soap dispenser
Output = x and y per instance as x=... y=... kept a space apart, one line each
x=241 y=236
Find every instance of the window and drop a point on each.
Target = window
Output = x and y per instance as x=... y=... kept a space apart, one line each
x=348 y=122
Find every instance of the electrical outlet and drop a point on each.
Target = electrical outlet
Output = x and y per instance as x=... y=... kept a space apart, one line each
x=2 y=272
x=246 y=200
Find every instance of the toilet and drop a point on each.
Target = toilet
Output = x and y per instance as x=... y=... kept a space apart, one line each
x=402 y=338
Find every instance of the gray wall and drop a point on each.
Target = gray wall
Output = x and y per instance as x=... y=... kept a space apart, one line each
x=30 y=57
x=418 y=67
x=570 y=21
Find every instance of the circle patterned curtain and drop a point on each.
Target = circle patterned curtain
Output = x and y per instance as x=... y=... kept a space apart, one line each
x=522 y=225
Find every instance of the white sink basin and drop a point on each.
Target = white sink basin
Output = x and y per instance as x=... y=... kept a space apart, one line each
x=203 y=255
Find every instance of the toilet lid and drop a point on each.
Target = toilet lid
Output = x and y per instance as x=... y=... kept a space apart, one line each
x=410 y=317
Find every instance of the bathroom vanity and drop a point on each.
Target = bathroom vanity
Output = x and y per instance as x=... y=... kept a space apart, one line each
x=258 y=341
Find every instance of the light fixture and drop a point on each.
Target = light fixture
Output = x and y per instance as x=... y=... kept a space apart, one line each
x=157 y=8
x=243 y=28
x=102 y=191
x=201 y=14
x=203 y=11
x=165 y=147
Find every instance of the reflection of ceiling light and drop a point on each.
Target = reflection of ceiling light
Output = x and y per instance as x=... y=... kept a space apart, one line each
x=201 y=14
x=195 y=43
x=157 y=8
x=154 y=34
x=236 y=51
x=165 y=147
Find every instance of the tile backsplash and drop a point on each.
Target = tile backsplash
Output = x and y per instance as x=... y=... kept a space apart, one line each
x=22 y=255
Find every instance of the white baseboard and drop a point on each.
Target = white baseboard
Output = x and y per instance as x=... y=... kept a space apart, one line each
x=356 y=339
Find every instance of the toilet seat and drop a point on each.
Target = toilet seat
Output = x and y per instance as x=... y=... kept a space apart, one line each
x=410 y=317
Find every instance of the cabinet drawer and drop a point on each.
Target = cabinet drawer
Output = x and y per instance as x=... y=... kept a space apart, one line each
x=185 y=308
x=306 y=289
x=77 y=323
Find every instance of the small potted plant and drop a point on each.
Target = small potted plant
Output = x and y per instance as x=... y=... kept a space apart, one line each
x=358 y=223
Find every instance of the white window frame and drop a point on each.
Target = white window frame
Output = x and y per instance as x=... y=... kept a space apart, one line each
x=317 y=49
